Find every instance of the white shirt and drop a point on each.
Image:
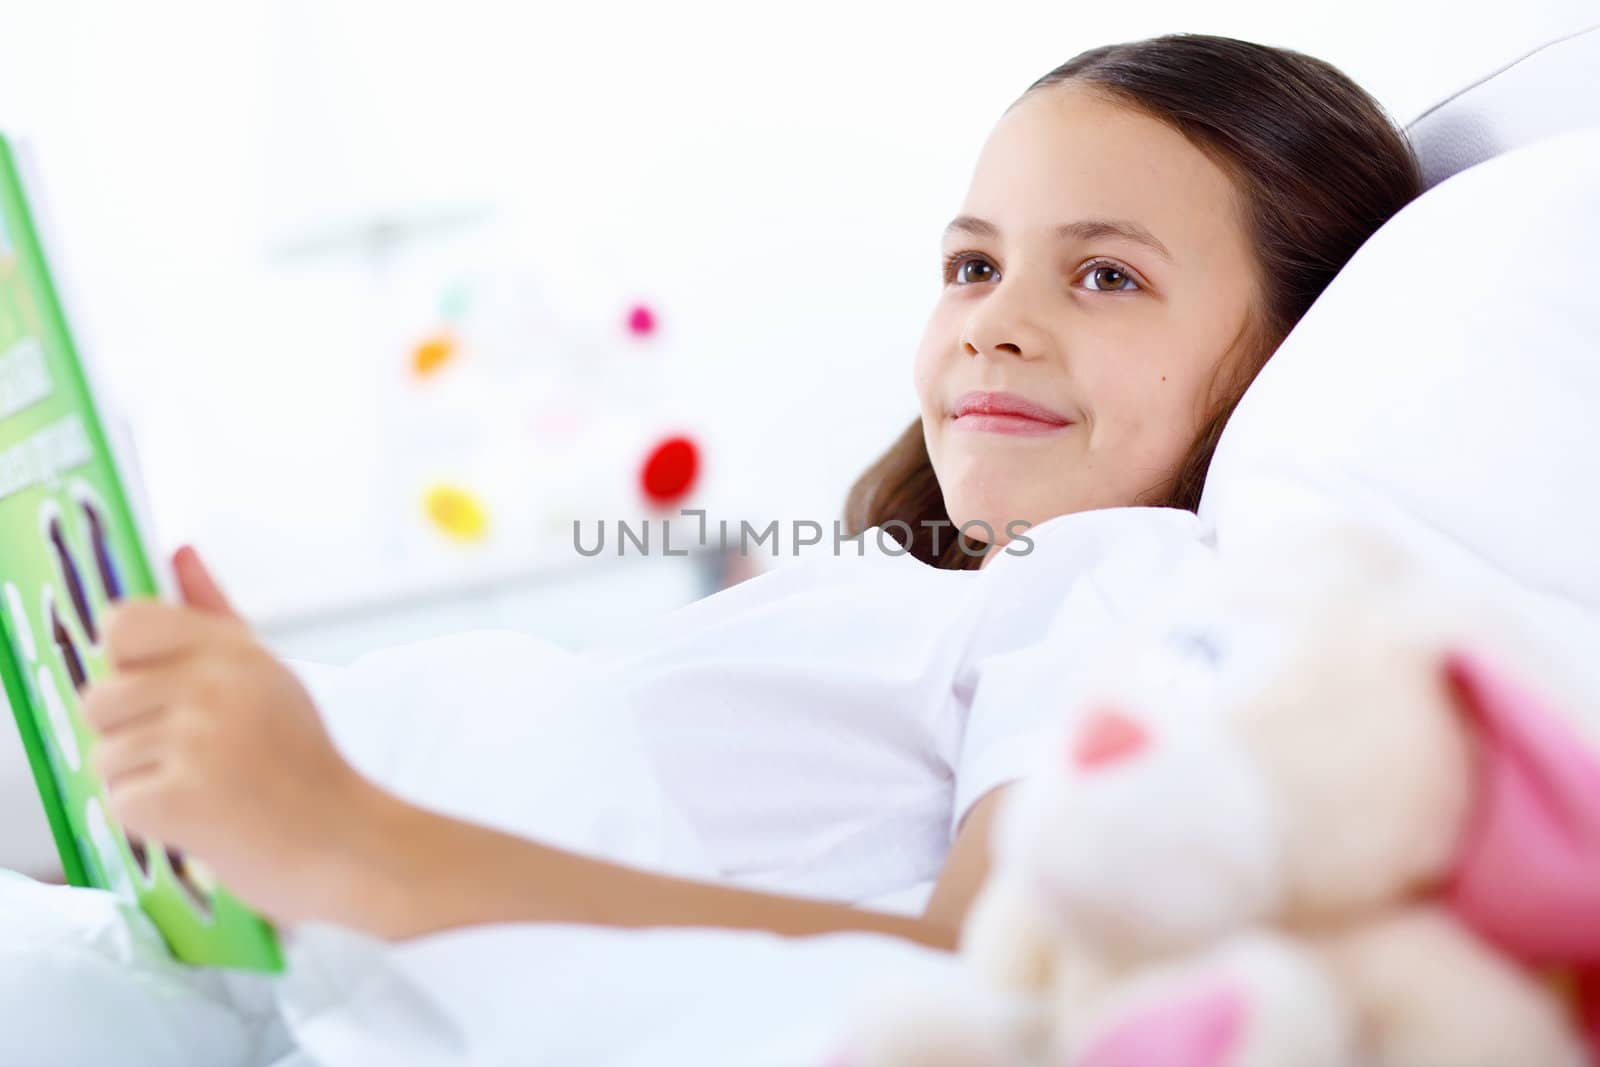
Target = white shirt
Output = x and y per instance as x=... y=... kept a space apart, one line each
x=819 y=730
x=826 y=726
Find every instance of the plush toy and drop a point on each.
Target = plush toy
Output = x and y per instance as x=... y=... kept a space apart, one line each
x=1313 y=813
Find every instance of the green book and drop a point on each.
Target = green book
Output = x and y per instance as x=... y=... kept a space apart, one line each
x=69 y=545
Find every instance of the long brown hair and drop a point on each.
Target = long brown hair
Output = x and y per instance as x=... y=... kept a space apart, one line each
x=1320 y=166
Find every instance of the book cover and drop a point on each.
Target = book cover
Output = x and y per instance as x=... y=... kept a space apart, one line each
x=70 y=544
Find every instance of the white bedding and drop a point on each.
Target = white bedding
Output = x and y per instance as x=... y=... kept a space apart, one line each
x=83 y=981
x=83 y=978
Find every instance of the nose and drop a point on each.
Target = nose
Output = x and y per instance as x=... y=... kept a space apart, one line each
x=1003 y=346
x=1002 y=326
x=1108 y=736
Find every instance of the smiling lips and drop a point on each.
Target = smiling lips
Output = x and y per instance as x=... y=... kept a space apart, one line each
x=1006 y=413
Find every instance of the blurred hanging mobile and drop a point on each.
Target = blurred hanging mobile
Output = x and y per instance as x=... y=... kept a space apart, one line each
x=575 y=366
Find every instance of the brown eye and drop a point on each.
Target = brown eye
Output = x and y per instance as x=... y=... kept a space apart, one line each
x=1110 y=279
x=967 y=270
x=975 y=270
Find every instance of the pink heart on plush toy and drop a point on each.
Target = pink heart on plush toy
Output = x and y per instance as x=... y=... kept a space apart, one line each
x=1199 y=1031
x=1528 y=873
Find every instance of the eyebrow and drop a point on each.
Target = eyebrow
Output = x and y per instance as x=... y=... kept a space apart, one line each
x=1083 y=230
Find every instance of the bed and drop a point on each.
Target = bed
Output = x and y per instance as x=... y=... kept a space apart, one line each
x=572 y=995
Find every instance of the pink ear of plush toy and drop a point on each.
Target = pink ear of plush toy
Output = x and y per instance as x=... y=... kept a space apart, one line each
x=1528 y=877
x=1200 y=1031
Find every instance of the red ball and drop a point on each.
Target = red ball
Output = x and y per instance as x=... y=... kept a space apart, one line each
x=669 y=470
x=641 y=321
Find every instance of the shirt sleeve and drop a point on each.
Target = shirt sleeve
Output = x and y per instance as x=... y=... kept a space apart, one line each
x=1093 y=572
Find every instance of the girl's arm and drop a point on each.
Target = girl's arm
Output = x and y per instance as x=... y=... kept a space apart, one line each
x=419 y=872
x=208 y=742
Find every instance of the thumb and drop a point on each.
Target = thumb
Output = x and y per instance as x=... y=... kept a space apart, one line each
x=198 y=588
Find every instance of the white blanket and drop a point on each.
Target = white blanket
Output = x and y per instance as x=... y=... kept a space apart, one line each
x=84 y=979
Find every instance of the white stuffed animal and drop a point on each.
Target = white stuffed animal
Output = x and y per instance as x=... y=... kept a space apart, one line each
x=1309 y=815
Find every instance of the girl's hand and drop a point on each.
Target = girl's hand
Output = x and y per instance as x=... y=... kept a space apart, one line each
x=208 y=743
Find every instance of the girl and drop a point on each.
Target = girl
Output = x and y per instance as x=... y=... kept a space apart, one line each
x=1143 y=227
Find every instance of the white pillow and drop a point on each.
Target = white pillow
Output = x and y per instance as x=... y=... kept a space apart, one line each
x=1547 y=91
x=1447 y=384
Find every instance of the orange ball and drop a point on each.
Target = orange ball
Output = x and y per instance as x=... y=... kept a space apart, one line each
x=432 y=354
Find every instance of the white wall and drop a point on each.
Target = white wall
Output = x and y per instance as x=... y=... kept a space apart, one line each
x=772 y=177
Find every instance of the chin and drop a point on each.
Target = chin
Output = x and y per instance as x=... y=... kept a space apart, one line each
x=998 y=516
x=995 y=517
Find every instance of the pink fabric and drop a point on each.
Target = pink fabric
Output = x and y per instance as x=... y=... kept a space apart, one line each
x=1528 y=874
x=1199 y=1031
x=1529 y=871
x=1589 y=1007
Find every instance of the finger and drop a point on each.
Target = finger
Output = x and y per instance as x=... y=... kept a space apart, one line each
x=114 y=703
x=199 y=589
x=142 y=631
x=135 y=752
x=143 y=799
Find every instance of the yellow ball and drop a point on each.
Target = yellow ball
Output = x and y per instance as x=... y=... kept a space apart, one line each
x=456 y=513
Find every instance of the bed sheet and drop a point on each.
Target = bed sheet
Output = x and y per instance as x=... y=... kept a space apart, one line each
x=540 y=751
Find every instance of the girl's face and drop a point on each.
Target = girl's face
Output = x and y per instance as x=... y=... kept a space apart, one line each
x=1097 y=276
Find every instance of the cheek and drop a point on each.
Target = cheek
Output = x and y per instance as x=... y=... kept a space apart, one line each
x=1165 y=445
x=1154 y=415
x=931 y=369
x=923 y=376
x=927 y=376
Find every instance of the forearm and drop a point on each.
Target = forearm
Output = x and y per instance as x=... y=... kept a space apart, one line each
x=416 y=872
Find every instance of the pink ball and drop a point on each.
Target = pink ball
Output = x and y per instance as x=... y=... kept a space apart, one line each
x=641 y=321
